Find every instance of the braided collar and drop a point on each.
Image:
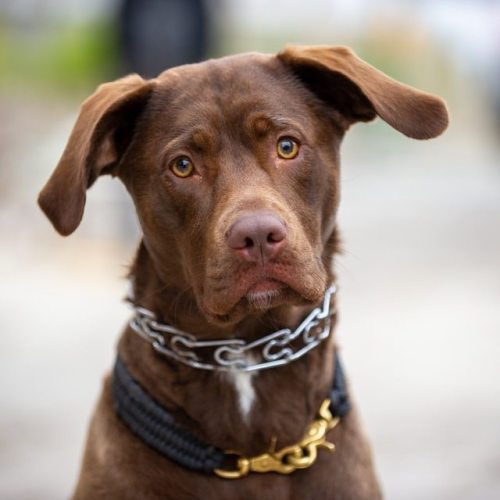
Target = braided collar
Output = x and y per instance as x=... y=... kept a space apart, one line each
x=157 y=428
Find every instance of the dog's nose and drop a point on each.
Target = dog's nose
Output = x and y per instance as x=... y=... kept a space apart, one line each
x=257 y=237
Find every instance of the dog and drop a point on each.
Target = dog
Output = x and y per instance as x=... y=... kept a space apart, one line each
x=221 y=385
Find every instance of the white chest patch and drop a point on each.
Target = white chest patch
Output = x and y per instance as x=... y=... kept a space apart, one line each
x=242 y=382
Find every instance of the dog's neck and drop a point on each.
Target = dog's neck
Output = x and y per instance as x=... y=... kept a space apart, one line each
x=254 y=408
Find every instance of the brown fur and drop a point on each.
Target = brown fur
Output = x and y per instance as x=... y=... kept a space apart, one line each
x=227 y=116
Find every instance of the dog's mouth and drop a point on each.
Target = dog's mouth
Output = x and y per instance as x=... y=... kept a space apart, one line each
x=259 y=290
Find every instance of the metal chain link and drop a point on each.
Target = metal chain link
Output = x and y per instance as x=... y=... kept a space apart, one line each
x=273 y=350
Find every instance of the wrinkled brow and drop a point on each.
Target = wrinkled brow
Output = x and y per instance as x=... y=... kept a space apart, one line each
x=260 y=124
x=200 y=139
x=204 y=140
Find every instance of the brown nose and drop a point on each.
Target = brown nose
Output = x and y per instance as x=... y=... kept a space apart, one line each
x=257 y=237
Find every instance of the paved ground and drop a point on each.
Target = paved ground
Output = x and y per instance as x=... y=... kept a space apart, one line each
x=419 y=297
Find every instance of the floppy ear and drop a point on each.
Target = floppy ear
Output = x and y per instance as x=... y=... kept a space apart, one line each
x=359 y=92
x=96 y=145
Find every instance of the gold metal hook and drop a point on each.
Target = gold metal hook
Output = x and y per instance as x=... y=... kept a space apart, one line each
x=290 y=458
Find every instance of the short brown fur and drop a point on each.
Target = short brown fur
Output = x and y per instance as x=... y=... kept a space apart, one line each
x=227 y=115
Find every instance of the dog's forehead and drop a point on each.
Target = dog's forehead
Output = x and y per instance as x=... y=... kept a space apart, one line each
x=229 y=88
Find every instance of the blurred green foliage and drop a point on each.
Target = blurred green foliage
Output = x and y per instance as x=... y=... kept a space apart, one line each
x=63 y=59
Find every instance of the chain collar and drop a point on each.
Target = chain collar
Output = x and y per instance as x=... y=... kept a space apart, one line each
x=276 y=349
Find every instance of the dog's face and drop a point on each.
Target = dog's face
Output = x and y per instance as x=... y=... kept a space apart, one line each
x=238 y=179
x=233 y=167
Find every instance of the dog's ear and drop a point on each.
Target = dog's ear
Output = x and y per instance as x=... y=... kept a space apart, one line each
x=100 y=137
x=359 y=92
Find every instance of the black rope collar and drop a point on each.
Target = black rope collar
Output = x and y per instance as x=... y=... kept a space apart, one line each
x=154 y=425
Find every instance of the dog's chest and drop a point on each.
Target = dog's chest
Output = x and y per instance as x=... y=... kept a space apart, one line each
x=243 y=385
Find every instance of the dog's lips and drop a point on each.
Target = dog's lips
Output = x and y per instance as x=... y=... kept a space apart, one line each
x=267 y=283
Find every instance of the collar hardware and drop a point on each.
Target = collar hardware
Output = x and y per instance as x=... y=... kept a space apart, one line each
x=287 y=460
x=276 y=349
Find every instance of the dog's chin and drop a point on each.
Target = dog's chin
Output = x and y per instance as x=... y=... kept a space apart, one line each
x=265 y=295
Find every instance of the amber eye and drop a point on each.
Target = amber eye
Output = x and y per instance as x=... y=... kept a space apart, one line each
x=287 y=148
x=182 y=166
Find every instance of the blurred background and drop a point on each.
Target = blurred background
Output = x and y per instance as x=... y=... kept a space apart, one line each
x=419 y=280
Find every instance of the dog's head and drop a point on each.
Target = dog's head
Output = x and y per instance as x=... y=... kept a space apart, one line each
x=233 y=167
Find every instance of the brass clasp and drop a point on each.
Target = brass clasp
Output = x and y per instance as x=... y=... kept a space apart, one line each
x=287 y=460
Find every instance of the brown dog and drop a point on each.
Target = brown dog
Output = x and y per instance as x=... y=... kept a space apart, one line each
x=233 y=166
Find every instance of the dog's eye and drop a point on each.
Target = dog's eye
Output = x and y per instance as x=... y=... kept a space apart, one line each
x=287 y=148
x=182 y=167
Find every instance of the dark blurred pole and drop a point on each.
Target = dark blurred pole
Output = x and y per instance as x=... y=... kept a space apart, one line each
x=158 y=34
